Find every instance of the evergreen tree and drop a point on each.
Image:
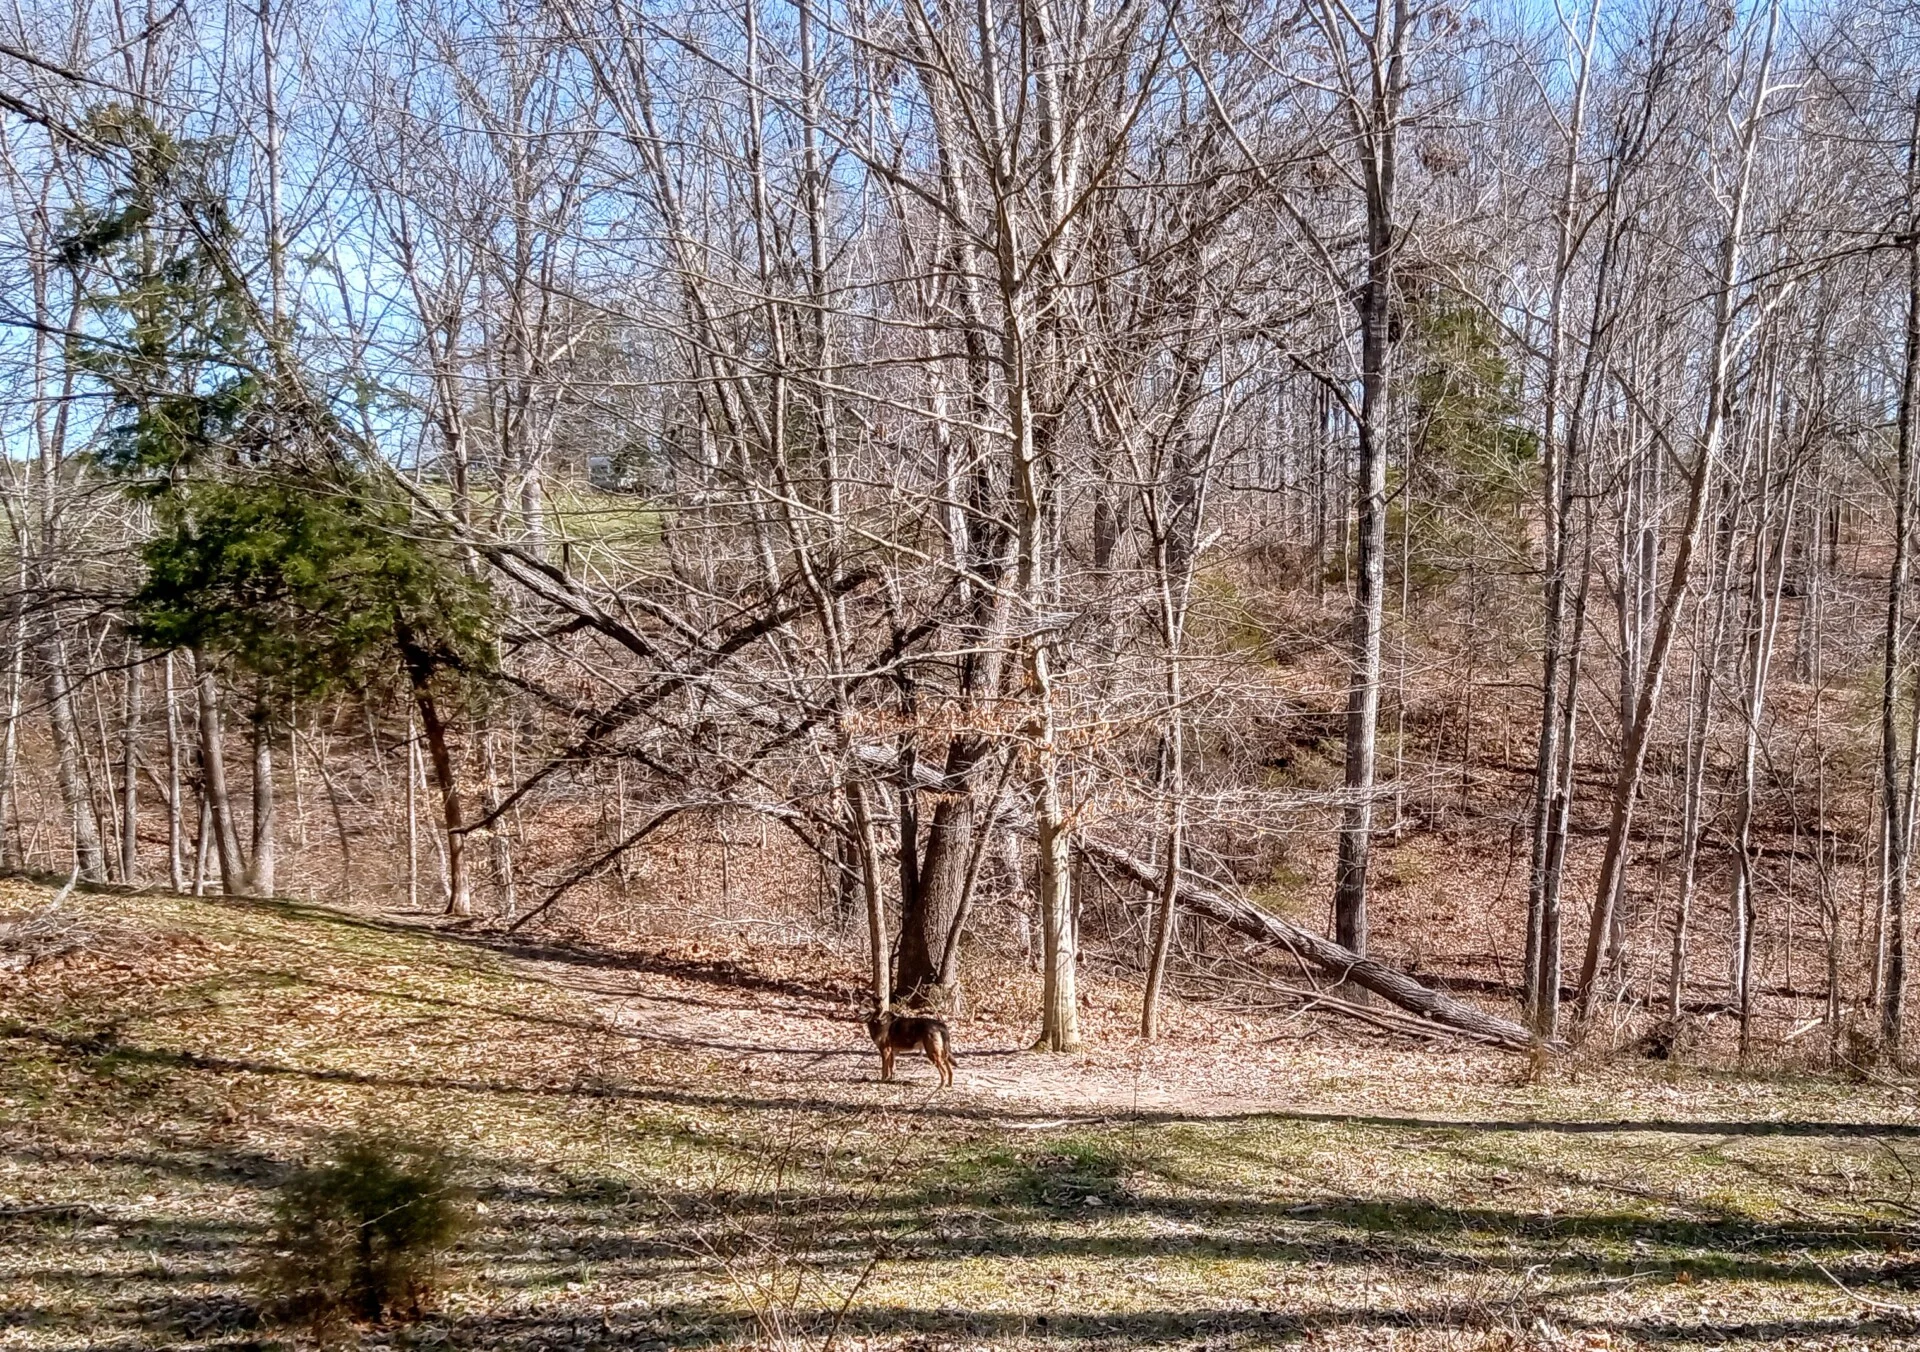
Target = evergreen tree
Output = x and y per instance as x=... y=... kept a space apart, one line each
x=278 y=557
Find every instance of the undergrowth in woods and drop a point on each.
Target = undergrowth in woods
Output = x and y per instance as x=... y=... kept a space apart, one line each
x=668 y=1148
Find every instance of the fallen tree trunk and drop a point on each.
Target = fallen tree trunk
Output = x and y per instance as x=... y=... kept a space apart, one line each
x=1243 y=917
x=1342 y=964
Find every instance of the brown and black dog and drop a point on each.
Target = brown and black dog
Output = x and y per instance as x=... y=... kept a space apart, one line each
x=903 y=1032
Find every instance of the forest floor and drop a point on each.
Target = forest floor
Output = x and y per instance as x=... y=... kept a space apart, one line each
x=684 y=1145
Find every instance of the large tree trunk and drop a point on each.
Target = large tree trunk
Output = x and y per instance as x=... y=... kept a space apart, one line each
x=938 y=899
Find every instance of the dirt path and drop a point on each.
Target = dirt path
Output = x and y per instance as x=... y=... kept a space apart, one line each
x=791 y=1038
x=808 y=1043
x=784 y=1024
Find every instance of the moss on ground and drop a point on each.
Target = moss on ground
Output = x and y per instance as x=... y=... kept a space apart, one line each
x=156 y=1089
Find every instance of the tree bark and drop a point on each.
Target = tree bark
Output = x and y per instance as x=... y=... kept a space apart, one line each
x=1699 y=727
x=937 y=900
x=12 y=855
x=868 y=850
x=1541 y=993
x=1769 y=562
x=1169 y=901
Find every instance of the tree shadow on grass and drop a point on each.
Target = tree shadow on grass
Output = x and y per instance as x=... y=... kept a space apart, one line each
x=1410 y=1233
x=682 y=1326
x=953 y=1106
x=188 y=1280
x=721 y=973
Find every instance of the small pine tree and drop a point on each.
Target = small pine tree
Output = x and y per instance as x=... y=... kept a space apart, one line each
x=364 y=1237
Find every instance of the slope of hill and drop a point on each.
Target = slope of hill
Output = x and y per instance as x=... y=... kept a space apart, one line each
x=681 y=1147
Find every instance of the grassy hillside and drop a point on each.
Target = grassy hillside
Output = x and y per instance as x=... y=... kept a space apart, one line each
x=674 y=1153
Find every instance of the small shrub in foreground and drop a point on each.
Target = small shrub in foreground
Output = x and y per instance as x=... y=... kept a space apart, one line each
x=362 y=1237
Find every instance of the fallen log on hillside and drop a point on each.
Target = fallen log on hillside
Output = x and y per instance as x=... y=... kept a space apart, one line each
x=1243 y=917
x=1336 y=961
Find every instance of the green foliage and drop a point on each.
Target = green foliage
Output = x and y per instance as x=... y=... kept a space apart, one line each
x=1467 y=406
x=1066 y=1173
x=1472 y=460
x=1289 y=891
x=274 y=549
x=364 y=1236
x=312 y=587
x=167 y=326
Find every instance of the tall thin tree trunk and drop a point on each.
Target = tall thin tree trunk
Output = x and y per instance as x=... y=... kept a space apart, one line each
x=176 y=825
x=499 y=846
x=1165 y=916
x=867 y=848
x=260 y=867
x=1894 y=841
x=130 y=770
x=1546 y=1022
x=1699 y=728
x=1768 y=580
x=200 y=841
x=11 y=853
x=1557 y=482
x=413 y=819
x=1377 y=128
x=61 y=722
x=1059 y=1001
